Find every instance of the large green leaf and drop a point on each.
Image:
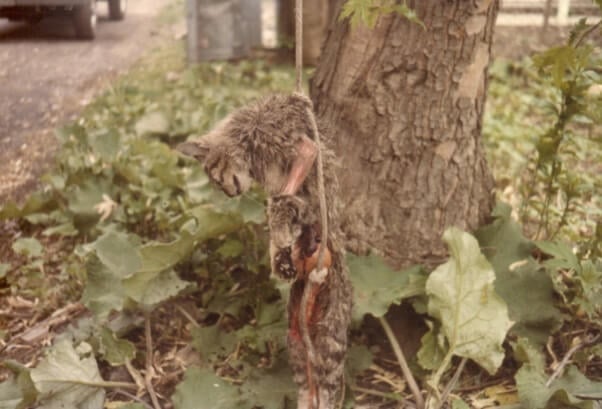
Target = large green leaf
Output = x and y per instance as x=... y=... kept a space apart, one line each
x=213 y=341
x=359 y=359
x=115 y=351
x=157 y=256
x=117 y=253
x=270 y=388
x=270 y=326
x=104 y=291
x=572 y=390
x=527 y=289
x=461 y=295
x=105 y=143
x=433 y=349
x=29 y=247
x=10 y=394
x=153 y=123
x=212 y=224
x=376 y=286
x=20 y=386
x=36 y=202
x=64 y=376
x=151 y=288
x=201 y=389
x=563 y=256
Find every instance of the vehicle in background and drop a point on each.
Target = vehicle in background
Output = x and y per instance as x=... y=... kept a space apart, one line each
x=82 y=12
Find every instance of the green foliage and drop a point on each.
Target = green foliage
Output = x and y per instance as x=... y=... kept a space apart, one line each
x=149 y=226
x=201 y=389
x=28 y=247
x=10 y=394
x=271 y=389
x=114 y=350
x=525 y=286
x=572 y=389
x=66 y=377
x=377 y=286
x=578 y=282
x=570 y=70
x=367 y=11
x=473 y=318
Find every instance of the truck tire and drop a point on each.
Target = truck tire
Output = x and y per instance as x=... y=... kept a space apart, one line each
x=84 y=20
x=117 y=9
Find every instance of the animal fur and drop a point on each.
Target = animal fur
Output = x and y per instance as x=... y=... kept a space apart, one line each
x=259 y=142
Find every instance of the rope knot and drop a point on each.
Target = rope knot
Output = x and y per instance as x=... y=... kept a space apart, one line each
x=303 y=99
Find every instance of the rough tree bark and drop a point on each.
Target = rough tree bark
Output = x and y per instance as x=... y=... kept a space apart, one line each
x=405 y=105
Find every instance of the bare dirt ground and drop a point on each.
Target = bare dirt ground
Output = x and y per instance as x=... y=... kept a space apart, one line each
x=47 y=76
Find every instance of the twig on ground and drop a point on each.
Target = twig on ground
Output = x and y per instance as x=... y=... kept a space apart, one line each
x=405 y=369
x=188 y=316
x=148 y=376
x=42 y=328
x=453 y=381
x=565 y=360
x=133 y=397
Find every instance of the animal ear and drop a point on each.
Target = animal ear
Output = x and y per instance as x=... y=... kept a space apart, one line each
x=194 y=149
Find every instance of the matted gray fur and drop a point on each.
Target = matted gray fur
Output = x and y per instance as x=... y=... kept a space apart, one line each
x=259 y=142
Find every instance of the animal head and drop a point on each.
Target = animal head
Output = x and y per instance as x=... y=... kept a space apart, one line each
x=265 y=141
x=224 y=165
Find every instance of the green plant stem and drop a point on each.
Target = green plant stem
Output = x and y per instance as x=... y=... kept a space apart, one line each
x=545 y=212
x=563 y=218
x=134 y=398
x=434 y=382
x=405 y=369
x=586 y=33
x=99 y=384
x=453 y=381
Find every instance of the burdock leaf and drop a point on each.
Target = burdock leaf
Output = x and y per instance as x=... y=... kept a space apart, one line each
x=359 y=359
x=116 y=252
x=104 y=290
x=201 y=389
x=473 y=318
x=116 y=351
x=270 y=388
x=151 y=288
x=572 y=390
x=377 y=286
x=212 y=224
x=212 y=341
x=10 y=394
x=527 y=289
x=433 y=349
x=64 y=376
x=28 y=246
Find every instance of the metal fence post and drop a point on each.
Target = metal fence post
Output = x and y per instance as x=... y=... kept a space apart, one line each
x=216 y=30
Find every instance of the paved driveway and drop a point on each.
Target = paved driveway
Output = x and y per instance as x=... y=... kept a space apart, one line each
x=47 y=75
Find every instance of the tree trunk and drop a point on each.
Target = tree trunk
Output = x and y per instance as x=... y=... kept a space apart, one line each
x=405 y=107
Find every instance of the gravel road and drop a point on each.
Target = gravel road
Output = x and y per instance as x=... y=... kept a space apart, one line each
x=47 y=76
